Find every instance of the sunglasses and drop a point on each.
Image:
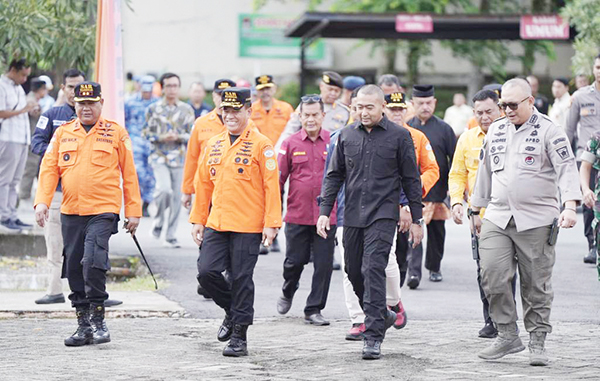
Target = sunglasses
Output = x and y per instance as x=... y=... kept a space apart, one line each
x=512 y=105
x=310 y=98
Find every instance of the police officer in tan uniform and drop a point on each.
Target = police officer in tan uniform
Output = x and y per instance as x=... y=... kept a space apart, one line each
x=524 y=163
x=337 y=114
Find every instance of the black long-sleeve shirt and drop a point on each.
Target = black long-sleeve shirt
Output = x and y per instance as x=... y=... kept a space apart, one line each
x=443 y=141
x=373 y=165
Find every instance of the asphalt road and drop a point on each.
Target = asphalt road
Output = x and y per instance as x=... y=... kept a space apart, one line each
x=575 y=284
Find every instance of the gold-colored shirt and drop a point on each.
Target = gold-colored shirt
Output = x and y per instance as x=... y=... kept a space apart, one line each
x=464 y=164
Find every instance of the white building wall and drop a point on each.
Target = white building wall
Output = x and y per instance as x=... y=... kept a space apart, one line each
x=198 y=39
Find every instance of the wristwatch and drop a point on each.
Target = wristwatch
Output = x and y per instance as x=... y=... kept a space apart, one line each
x=471 y=212
x=420 y=221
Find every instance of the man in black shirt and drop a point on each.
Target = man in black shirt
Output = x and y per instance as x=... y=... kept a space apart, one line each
x=436 y=212
x=374 y=157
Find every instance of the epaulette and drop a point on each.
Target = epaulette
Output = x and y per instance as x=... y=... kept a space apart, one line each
x=342 y=105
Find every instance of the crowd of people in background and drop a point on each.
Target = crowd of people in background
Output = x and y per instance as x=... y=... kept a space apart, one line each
x=368 y=164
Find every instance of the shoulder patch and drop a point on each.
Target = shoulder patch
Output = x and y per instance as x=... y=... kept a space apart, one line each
x=42 y=123
x=271 y=164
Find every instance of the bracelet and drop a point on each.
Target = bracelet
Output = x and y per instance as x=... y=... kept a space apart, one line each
x=573 y=209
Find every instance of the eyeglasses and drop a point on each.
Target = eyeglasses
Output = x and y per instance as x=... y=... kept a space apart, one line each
x=310 y=98
x=512 y=105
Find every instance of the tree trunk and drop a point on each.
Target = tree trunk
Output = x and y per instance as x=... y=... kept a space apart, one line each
x=412 y=62
x=390 y=50
x=476 y=81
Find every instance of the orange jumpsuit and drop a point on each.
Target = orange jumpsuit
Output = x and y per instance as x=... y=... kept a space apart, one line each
x=272 y=123
x=237 y=186
x=90 y=166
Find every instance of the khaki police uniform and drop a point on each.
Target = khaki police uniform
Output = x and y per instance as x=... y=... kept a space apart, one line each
x=519 y=178
x=583 y=120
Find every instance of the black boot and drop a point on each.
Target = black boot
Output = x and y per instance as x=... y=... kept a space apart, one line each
x=101 y=334
x=225 y=330
x=237 y=345
x=83 y=335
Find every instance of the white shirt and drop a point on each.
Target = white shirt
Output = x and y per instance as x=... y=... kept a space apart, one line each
x=12 y=97
x=560 y=109
x=458 y=118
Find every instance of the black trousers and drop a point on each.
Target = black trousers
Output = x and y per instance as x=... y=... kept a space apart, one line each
x=86 y=255
x=436 y=236
x=237 y=253
x=366 y=253
x=299 y=241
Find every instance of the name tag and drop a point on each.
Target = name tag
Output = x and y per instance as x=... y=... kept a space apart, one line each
x=588 y=111
x=300 y=153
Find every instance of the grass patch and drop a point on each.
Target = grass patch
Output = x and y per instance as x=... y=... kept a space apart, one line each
x=141 y=283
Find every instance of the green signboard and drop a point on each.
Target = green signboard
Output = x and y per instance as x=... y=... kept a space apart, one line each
x=262 y=36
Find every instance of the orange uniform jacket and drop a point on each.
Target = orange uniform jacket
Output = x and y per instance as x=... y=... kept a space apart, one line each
x=237 y=186
x=205 y=128
x=272 y=123
x=90 y=166
x=428 y=166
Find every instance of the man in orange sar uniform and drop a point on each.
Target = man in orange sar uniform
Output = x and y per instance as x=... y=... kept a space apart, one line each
x=90 y=156
x=237 y=206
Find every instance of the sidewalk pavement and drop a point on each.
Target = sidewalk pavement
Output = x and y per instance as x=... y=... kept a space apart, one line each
x=135 y=304
x=282 y=349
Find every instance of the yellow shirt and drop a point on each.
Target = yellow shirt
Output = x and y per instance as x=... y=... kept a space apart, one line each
x=464 y=165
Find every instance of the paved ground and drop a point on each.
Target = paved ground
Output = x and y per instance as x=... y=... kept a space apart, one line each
x=439 y=342
x=280 y=349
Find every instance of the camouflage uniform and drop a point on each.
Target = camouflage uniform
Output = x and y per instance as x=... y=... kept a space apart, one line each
x=167 y=158
x=135 y=117
x=592 y=155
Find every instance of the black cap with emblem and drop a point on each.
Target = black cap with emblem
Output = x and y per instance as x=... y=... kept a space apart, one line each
x=332 y=78
x=264 y=81
x=88 y=91
x=222 y=84
x=395 y=100
x=235 y=97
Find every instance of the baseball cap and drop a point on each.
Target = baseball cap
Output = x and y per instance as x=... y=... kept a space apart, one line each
x=396 y=100
x=264 y=81
x=88 y=91
x=222 y=84
x=147 y=83
x=235 y=97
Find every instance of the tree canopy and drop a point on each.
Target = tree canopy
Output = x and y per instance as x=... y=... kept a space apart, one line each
x=49 y=33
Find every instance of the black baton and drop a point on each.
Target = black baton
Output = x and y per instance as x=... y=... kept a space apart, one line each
x=141 y=253
x=144 y=258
